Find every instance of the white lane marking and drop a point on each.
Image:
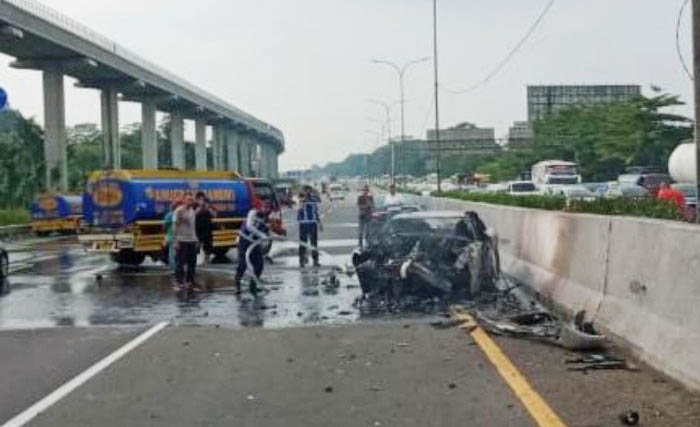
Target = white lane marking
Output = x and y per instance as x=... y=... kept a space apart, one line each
x=326 y=243
x=61 y=392
x=341 y=225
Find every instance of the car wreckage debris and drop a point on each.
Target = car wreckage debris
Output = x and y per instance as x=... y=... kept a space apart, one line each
x=420 y=256
x=425 y=261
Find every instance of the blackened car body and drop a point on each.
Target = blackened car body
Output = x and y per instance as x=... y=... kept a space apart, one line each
x=429 y=253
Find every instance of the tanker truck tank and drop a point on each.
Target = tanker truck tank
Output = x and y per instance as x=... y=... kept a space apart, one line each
x=56 y=213
x=681 y=163
x=125 y=209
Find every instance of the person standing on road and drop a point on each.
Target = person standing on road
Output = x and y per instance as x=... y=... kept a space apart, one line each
x=204 y=225
x=365 y=205
x=186 y=243
x=309 y=225
x=254 y=230
x=393 y=199
x=169 y=240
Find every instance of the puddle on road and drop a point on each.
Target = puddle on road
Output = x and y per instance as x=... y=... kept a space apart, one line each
x=60 y=285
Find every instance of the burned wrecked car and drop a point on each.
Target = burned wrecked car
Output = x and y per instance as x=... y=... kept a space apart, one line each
x=385 y=213
x=446 y=254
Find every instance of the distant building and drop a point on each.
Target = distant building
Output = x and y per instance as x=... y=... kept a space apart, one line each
x=465 y=137
x=520 y=134
x=545 y=100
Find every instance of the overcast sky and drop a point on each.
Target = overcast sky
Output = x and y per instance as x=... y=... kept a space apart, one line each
x=303 y=65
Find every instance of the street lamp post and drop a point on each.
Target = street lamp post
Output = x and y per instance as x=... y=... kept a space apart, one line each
x=400 y=70
x=437 y=102
x=387 y=110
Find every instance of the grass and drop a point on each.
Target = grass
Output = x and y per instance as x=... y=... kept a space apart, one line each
x=14 y=216
x=639 y=207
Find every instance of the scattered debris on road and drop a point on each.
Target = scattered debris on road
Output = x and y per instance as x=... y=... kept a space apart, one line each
x=594 y=362
x=629 y=418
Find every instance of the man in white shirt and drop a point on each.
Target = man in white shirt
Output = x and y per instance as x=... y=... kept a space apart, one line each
x=185 y=243
x=392 y=199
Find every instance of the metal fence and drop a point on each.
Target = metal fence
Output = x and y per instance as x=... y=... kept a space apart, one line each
x=13 y=231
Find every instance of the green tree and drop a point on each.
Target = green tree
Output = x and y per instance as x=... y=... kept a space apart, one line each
x=603 y=139
x=22 y=167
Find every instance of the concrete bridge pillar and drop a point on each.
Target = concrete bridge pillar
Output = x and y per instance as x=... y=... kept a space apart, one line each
x=232 y=148
x=177 y=140
x=218 y=142
x=275 y=164
x=200 y=148
x=245 y=155
x=255 y=158
x=214 y=141
x=223 y=155
x=149 y=139
x=55 y=129
x=110 y=128
x=262 y=158
x=271 y=153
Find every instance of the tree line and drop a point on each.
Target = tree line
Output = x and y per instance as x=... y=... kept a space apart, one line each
x=603 y=139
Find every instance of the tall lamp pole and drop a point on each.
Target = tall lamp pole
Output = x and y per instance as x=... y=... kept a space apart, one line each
x=437 y=104
x=400 y=71
x=387 y=110
x=696 y=77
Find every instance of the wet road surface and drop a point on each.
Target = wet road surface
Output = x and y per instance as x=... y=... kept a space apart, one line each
x=300 y=354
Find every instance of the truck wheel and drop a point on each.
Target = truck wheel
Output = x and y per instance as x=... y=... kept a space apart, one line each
x=129 y=257
x=220 y=255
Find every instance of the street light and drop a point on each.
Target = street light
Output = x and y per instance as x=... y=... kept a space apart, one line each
x=437 y=101
x=387 y=110
x=400 y=70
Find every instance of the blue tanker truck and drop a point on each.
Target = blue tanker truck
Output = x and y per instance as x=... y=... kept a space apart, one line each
x=124 y=209
x=56 y=213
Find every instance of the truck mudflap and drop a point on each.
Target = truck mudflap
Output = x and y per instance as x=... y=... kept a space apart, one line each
x=107 y=243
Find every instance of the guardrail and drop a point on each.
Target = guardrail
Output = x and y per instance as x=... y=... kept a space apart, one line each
x=14 y=230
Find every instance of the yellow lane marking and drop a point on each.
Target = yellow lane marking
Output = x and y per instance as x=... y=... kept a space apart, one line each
x=533 y=402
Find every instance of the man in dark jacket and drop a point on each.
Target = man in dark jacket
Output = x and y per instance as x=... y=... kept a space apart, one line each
x=253 y=231
x=365 y=206
x=204 y=225
x=309 y=225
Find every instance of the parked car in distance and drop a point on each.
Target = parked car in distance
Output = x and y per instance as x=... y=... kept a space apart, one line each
x=337 y=192
x=522 y=188
x=616 y=189
x=597 y=188
x=689 y=191
x=651 y=181
x=496 y=188
x=572 y=192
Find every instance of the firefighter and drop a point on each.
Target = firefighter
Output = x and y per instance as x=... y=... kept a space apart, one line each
x=254 y=230
x=309 y=225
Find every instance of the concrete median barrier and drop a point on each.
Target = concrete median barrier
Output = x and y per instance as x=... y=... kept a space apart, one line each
x=653 y=293
x=636 y=278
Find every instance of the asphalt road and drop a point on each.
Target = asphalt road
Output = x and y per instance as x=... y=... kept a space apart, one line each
x=302 y=354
